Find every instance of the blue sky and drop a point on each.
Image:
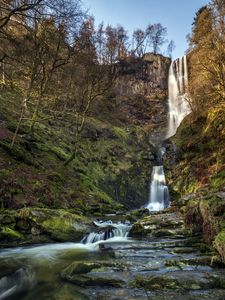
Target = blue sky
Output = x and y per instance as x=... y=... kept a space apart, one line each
x=176 y=15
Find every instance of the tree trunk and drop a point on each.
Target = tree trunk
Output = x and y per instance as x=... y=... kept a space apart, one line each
x=19 y=122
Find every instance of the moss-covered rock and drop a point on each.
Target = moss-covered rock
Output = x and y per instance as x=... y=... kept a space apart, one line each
x=176 y=282
x=219 y=244
x=34 y=224
x=158 y=224
x=90 y=280
x=92 y=274
x=9 y=234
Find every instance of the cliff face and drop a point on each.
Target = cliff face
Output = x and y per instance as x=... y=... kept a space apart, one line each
x=142 y=89
x=147 y=76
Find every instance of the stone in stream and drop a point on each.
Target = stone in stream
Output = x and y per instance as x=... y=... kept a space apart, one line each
x=94 y=274
x=108 y=250
x=180 y=281
x=158 y=224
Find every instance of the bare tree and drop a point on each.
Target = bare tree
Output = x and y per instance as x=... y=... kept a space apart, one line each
x=156 y=35
x=139 y=38
x=170 y=48
x=9 y=9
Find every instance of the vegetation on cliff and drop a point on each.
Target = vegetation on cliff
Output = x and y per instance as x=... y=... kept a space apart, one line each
x=198 y=177
x=67 y=140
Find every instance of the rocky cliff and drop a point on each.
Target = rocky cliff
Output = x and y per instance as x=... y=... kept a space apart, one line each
x=141 y=90
x=145 y=76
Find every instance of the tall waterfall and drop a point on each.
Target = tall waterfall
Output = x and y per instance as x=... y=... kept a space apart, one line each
x=179 y=108
x=159 y=194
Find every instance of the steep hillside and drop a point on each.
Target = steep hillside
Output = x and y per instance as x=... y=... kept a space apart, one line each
x=196 y=175
x=113 y=160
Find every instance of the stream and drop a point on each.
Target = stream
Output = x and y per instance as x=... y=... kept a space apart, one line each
x=114 y=264
x=108 y=264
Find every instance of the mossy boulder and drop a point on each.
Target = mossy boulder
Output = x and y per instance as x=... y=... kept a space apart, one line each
x=158 y=224
x=33 y=225
x=59 y=224
x=9 y=234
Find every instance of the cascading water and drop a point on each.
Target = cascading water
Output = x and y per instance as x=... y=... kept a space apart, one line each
x=159 y=194
x=108 y=230
x=179 y=107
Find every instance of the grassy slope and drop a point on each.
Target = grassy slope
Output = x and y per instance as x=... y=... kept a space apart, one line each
x=111 y=163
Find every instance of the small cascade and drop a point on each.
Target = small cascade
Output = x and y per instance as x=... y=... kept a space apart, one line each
x=107 y=230
x=159 y=194
x=179 y=107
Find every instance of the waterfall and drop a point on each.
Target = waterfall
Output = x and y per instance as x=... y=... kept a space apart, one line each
x=179 y=107
x=108 y=230
x=159 y=194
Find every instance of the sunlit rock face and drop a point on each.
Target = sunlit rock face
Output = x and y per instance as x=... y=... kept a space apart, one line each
x=141 y=92
x=145 y=76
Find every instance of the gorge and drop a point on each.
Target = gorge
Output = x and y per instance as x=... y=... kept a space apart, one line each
x=112 y=260
x=111 y=155
x=178 y=109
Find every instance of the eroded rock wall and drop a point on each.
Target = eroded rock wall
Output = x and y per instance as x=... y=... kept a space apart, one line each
x=145 y=76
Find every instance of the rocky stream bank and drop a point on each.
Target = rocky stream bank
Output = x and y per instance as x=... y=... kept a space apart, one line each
x=158 y=260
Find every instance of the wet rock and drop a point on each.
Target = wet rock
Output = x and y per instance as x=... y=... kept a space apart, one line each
x=108 y=250
x=35 y=231
x=197 y=261
x=158 y=224
x=34 y=225
x=90 y=280
x=92 y=274
x=80 y=268
x=184 y=250
x=136 y=214
x=179 y=281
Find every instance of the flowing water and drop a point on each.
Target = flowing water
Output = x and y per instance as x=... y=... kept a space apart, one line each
x=178 y=268
x=27 y=268
x=109 y=230
x=179 y=107
x=174 y=267
x=159 y=194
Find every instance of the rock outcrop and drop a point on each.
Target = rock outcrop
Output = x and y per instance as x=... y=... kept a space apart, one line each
x=141 y=91
x=145 y=76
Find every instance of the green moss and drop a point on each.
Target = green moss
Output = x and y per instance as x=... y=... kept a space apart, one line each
x=155 y=282
x=64 y=226
x=217 y=180
x=120 y=133
x=59 y=152
x=219 y=244
x=11 y=234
